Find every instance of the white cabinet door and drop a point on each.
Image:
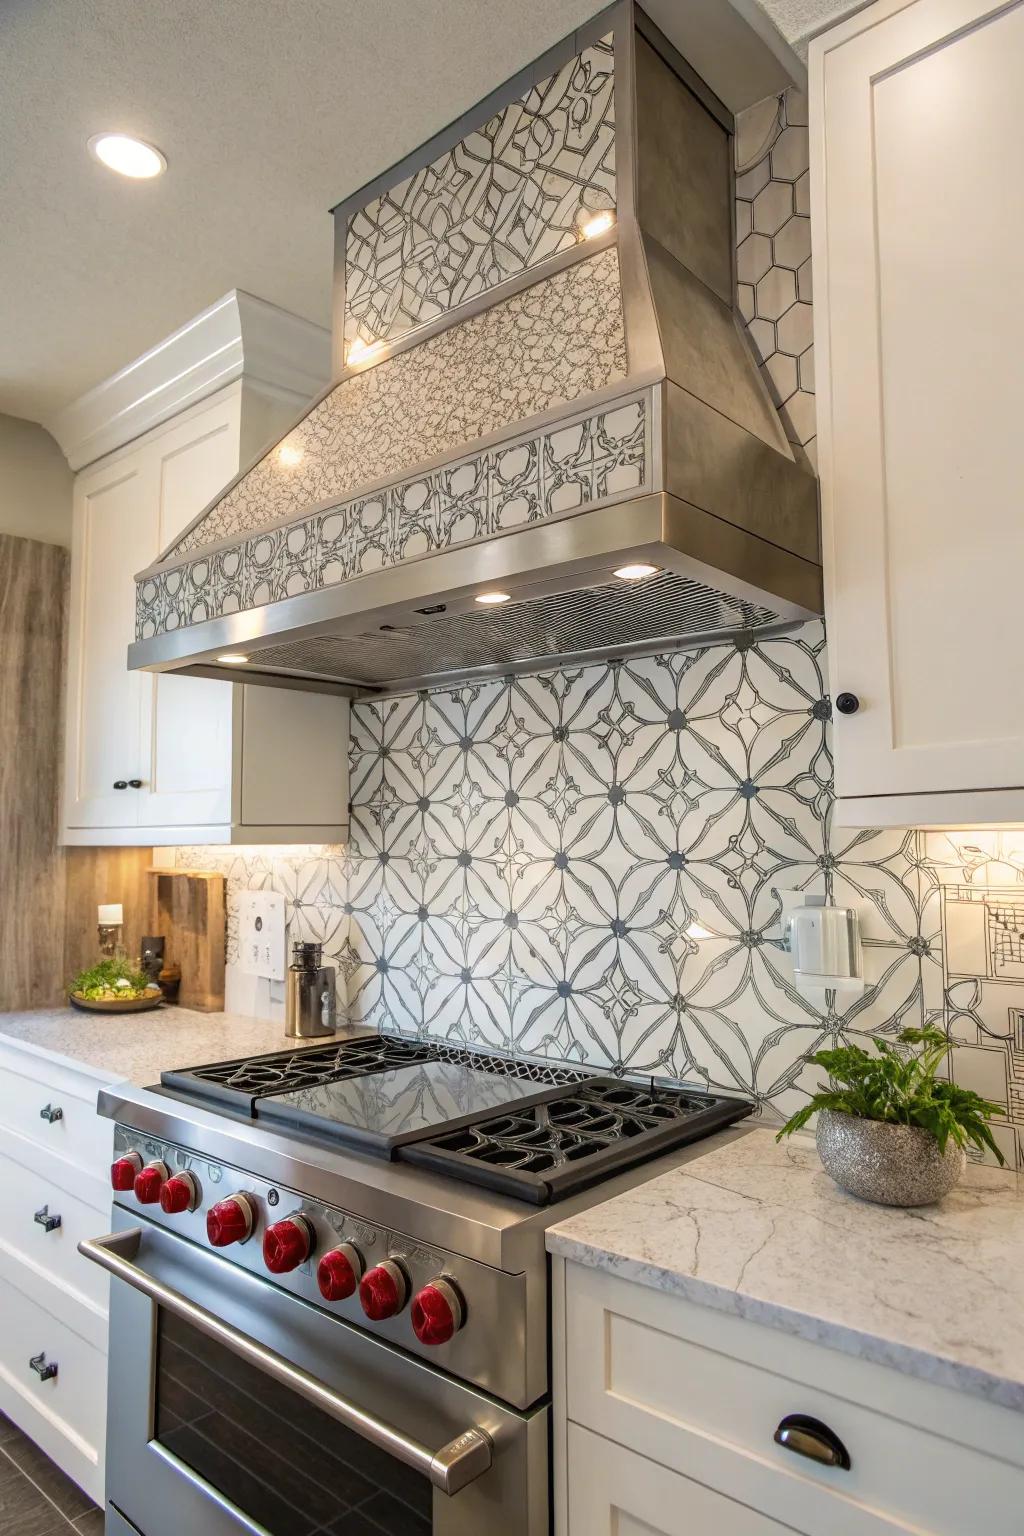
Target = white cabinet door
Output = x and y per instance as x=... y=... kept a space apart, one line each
x=186 y=721
x=115 y=534
x=918 y=218
x=615 y=1492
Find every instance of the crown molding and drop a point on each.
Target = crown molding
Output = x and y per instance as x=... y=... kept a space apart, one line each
x=239 y=337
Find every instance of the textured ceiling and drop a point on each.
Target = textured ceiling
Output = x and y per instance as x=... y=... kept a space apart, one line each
x=799 y=19
x=268 y=113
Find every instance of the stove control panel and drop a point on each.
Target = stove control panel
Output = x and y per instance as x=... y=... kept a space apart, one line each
x=434 y=1303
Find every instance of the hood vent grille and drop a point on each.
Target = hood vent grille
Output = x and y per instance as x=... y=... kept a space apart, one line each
x=609 y=617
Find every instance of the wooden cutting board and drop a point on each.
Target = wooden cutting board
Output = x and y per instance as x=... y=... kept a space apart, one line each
x=187 y=907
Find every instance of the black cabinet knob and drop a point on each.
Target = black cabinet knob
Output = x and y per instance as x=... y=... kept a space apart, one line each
x=46 y=1221
x=847 y=703
x=805 y=1436
x=120 y=783
x=45 y=1369
x=135 y=783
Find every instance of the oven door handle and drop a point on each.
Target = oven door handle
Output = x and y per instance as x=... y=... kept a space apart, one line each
x=459 y=1462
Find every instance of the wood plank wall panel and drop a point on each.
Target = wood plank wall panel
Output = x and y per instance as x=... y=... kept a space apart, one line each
x=33 y=604
x=96 y=875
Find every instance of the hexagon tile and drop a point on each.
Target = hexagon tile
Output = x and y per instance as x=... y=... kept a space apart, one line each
x=773 y=262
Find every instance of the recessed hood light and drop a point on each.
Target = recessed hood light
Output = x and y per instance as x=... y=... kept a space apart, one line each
x=289 y=455
x=127 y=156
x=596 y=224
x=233 y=659
x=492 y=597
x=360 y=351
x=636 y=572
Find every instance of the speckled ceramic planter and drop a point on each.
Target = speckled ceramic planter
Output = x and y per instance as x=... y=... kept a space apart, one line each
x=889 y=1164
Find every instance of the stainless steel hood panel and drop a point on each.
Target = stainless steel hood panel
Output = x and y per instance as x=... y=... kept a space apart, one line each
x=718 y=504
x=419 y=622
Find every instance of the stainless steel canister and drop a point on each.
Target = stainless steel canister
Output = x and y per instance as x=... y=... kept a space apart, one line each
x=310 y=999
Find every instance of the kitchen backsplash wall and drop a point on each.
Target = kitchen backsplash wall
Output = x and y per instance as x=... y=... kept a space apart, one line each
x=586 y=865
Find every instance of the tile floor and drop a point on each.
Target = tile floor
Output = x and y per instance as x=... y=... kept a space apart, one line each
x=36 y=1498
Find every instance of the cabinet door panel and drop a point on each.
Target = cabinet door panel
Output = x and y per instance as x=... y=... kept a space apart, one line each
x=187 y=721
x=114 y=536
x=615 y=1492
x=919 y=214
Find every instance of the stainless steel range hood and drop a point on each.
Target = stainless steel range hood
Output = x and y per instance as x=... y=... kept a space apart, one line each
x=541 y=380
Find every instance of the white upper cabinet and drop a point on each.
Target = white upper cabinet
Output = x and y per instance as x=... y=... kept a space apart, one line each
x=917 y=143
x=154 y=759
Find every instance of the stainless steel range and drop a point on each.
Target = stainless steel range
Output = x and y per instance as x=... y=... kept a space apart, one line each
x=334 y=1308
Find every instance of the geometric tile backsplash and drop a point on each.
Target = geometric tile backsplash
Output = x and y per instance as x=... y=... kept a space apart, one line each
x=585 y=864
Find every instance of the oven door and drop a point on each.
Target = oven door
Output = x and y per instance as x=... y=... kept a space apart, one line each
x=236 y=1407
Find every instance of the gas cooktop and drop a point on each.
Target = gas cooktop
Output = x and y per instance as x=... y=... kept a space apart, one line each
x=535 y=1132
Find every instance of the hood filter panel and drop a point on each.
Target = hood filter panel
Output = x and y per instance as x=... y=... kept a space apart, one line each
x=599 y=618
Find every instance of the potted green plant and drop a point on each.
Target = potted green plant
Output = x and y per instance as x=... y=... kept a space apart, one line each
x=889 y=1128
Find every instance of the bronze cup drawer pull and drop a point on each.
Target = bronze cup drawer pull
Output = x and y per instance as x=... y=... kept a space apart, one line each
x=45 y=1369
x=46 y=1221
x=805 y=1436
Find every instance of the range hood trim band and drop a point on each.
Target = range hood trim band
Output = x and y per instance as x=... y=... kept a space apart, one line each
x=569 y=547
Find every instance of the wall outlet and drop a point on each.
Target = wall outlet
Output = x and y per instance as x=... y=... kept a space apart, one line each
x=261 y=950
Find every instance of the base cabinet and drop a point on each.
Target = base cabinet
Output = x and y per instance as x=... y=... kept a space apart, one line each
x=53 y=1310
x=666 y=1412
x=616 y=1492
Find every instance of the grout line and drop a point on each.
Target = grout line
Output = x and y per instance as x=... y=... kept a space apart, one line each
x=31 y=1480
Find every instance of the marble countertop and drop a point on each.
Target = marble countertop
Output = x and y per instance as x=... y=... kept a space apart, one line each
x=138 y=1047
x=760 y=1230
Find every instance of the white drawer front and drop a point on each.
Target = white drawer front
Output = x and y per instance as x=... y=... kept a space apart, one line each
x=615 y=1492
x=29 y=1253
x=676 y=1382
x=77 y=1135
x=66 y=1415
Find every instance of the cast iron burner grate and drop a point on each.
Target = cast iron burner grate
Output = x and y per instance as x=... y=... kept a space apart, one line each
x=551 y=1149
x=240 y=1084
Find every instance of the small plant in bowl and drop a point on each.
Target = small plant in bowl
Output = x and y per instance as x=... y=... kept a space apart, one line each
x=114 y=986
x=889 y=1128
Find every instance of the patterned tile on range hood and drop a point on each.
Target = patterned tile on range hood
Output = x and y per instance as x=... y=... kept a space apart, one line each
x=541 y=326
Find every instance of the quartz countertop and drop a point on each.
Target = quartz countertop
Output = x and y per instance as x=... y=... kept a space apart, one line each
x=760 y=1230
x=137 y=1047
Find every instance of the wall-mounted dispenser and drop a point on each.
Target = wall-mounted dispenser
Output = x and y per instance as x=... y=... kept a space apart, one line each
x=824 y=943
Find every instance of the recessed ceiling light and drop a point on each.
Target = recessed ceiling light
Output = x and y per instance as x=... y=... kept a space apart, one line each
x=289 y=455
x=695 y=931
x=233 y=659
x=492 y=597
x=127 y=156
x=636 y=572
x=596 y=224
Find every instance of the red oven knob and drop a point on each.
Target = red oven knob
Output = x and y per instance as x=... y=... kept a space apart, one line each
x=287 y=1244
x=180 y=1193
x=231 y=1220
x=383 y=1291
x=339 y=1272
x=438 y=1312
x=123 y=1171
x=149 y=1181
